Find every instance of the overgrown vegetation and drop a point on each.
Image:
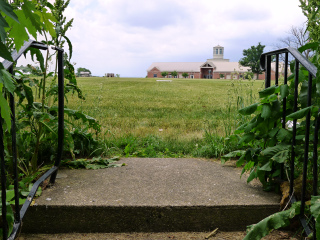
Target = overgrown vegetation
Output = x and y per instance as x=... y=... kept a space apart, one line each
x=266 y=145
x=36 y=91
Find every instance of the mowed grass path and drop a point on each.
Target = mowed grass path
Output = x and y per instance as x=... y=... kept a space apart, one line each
x=180 y=109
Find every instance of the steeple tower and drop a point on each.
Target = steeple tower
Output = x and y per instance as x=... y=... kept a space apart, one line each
x=218 y=52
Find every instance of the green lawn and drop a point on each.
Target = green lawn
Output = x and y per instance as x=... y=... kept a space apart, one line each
x=143 y=106
x=180 y=109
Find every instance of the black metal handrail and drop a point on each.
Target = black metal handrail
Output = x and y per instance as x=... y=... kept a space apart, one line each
x=19 y=214
x=265 y=62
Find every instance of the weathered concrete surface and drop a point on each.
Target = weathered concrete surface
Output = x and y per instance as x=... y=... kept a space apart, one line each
x=150 y=195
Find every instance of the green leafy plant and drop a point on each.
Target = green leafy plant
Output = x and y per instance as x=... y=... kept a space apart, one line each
x=36 y=91
x=164 y=74
x=174 y=74
x=275 y=221
x=267 y=145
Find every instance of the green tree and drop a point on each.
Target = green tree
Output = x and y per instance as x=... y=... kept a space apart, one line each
x=82 y=69
x=252 y=58
x=185 y=75
x=164 y=74
x=174 y=74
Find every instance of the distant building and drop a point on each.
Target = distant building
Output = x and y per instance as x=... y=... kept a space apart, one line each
x=109 y=74
x=84 y=74
x=216 y=67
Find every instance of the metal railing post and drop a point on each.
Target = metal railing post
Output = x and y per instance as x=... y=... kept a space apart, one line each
x=306 y=149
x=60 y=111
x=14 y=155
x=294 y=128
x=268 y=72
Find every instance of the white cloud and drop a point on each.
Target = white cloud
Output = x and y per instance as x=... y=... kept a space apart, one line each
x=125 y=37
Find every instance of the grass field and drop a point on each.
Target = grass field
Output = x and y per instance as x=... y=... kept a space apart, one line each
x=183 y=110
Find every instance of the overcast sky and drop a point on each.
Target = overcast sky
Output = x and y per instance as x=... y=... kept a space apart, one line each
x=125 y=36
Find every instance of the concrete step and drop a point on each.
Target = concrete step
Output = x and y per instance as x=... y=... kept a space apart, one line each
x=150 y=195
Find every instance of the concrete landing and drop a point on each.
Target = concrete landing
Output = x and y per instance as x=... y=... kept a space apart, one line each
x=150 y=195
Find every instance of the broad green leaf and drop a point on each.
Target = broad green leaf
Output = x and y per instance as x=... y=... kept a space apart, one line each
x=241 y=161
x=18 y=32
x=47 y=18
x=27 y=23
x=95 y=166
x=283 y=134
x=7 y=80
x=275 y=221
x=271 y=151
x=28 y=9
x=10 y=218
x=8 y=10
x=284 y=91
x=242 y=127
x=299 y=114
x=276 y=173
x=21 y=201
x=266 y=111
x=303 y=96
x=248 y=166
x=236 y=153
x=9 y=195
x=268 y=91
x=253 y=175
x=3 y=24
x=262 y=177
x=48 y=127
x=266 y=167
x=273 y=132
x=28 y=94
x=281 y=156
x=272 y=98
x=315 y=211
x=250 y=126
x=315 y=206
x=275 y=108
x=4 y=53
x=249 y=110
x=247 y=138
x=5 y=109
x=312 y=45
x=69 y=139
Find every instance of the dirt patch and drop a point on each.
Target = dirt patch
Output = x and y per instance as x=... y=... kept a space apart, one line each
x=275 y=235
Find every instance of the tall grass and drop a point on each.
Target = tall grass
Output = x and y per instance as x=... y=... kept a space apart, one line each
x=143 y=117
